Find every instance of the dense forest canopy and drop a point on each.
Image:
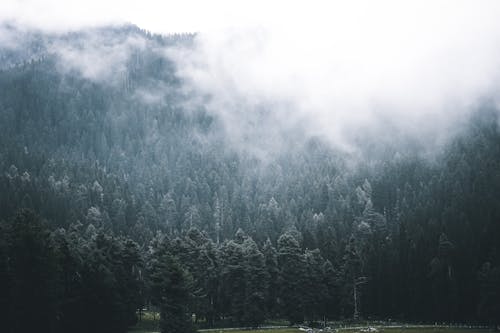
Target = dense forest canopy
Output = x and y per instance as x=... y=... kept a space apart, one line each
x=120 y=190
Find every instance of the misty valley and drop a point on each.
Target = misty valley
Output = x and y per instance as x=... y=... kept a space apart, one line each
x=144 y=187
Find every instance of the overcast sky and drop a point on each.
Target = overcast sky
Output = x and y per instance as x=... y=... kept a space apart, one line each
x=202 y=15
x=157 y=15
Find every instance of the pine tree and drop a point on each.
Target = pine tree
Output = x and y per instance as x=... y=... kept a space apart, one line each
x=271 y=259
x=233 y=281
x=256 y=284
x=489 y=291
x=330 y=306
x=32 y=297
x=291 y=277
x=314 y=288
x=169 y=285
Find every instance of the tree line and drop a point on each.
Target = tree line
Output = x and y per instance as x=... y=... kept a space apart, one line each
x=109 y=202
x=87 y=279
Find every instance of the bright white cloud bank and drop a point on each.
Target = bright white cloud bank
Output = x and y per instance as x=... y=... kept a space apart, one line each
x=415 y=67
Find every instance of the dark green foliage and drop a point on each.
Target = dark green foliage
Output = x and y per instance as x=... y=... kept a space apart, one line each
x=62 y=281
x=489 y=293
x=256 y=279
x=233 y=281
x=271 y=264
x=170 y=293
x=31 y=297
x=314 y=289
x=124 y=180
x=292 y=277
x=331 y=298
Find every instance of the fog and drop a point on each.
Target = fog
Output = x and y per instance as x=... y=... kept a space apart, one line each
x=280 y=74
x=385 y=70
x=96 y=57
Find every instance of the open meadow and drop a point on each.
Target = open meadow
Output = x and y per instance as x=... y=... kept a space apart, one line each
x=149 y=324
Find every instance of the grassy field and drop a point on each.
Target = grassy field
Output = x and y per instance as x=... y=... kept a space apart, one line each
x=149 y=324
x=422 y=330
x=381 y=330
x=272 y=330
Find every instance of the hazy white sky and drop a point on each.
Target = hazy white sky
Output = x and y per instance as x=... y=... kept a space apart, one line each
x=158 y=15
x=204 y=15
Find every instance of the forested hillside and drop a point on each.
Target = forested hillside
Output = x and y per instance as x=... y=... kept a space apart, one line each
x=118 y=191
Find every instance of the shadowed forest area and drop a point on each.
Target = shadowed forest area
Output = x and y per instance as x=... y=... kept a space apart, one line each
x=119 y=192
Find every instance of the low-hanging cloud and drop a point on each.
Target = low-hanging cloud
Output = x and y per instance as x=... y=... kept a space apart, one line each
x=96 y=57
x=96 y=54
x=278 y=75
x=385 y=68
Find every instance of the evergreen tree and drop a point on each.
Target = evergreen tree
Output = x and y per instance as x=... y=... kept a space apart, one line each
x=489 y=291
x=292 y=269
x=330 y=305
x=234 y=281
x=32 y=266
x=169 y=285
x=314 y=289
x=271 y=261
x=256 y=278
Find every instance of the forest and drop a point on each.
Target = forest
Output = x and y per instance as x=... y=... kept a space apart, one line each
x=119 y=192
